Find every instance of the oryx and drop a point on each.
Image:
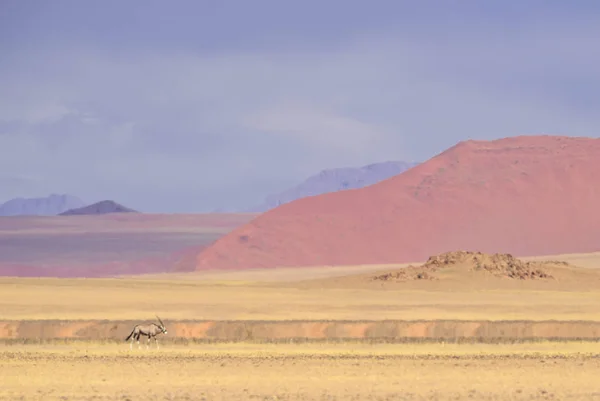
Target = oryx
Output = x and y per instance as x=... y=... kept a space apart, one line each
x=151 y=330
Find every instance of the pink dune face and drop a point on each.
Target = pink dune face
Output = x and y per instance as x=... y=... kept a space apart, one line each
x=527 y=196
x=107 y=245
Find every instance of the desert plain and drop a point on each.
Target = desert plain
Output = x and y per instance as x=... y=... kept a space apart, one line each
x=474 y=275
x=337 y=333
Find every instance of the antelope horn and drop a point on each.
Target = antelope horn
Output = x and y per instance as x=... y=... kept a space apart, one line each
x=161 y=322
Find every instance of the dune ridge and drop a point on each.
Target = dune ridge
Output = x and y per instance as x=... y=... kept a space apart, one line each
x=527 y=195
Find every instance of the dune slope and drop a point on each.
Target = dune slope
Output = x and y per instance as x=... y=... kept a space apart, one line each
x=528 y=195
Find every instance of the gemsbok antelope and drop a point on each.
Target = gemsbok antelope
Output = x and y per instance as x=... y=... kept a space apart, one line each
x=151 y=330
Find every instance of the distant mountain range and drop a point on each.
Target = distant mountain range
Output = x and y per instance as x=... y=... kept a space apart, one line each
x=102 y=207
x=336 y=179
x=329 y=180
x=62 y=205
x=48 y=206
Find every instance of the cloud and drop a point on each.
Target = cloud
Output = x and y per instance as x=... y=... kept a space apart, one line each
x=318 y=128
x=184 y=128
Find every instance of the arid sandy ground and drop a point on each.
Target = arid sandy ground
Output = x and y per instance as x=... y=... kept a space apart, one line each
x=300 y=294
x=131 y=299
x=302 y=372
x=332 y=370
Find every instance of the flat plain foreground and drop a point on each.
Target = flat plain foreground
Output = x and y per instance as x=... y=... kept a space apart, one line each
x=330 y=294
x=89 y=371
x=63 y=339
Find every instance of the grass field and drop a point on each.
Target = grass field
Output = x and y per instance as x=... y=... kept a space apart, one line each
x=130 y=299
x=332 y=370
x=302 y=372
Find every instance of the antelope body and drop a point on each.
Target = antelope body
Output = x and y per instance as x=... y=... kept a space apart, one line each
x=151 y=330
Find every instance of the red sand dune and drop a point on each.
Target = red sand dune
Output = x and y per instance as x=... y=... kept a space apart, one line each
x=525 y=195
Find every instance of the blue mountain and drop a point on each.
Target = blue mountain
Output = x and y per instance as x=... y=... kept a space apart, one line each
x=48 y=206
x=336 y=179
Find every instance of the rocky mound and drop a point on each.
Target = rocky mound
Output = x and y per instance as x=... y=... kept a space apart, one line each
x=499 y=265
x=534 y=195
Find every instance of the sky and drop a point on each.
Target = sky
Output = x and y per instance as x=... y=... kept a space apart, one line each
x=191 y=106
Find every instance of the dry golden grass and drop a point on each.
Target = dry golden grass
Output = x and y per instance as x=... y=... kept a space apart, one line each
x=82 y=370
x=22 y=299
x=289 y=294
x=307 y=372
x=432 y=350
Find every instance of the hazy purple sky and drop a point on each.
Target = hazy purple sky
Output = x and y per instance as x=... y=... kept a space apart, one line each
x=188 y=106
